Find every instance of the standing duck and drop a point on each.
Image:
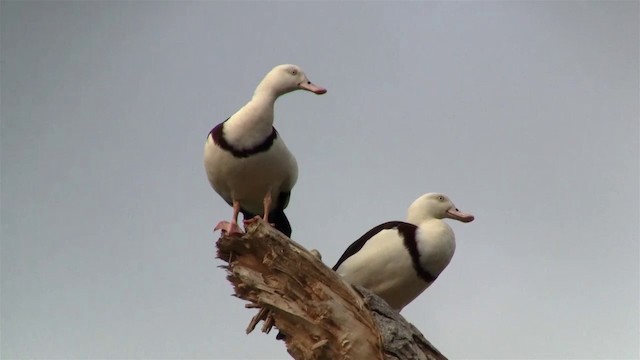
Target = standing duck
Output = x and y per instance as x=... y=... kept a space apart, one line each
x=246 y=160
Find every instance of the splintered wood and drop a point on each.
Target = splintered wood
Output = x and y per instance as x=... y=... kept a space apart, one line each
x=320 y=316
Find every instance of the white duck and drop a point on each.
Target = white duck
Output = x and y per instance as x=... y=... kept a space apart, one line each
x=247 y=162
x=399 y=260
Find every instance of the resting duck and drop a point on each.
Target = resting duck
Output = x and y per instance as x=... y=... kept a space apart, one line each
x=399 y=260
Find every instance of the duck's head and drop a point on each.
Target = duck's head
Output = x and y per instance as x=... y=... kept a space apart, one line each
x=286 y=78
x=435 y=206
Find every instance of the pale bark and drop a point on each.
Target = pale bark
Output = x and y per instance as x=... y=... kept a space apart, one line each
x=322 y=316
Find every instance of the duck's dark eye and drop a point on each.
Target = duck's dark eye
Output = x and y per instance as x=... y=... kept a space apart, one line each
x=308 y=82
x=293 y=72
x=441 y=198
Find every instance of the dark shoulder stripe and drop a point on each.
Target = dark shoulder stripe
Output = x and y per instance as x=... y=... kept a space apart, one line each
x=358 y=244
x=217 y=133
x=408 y=232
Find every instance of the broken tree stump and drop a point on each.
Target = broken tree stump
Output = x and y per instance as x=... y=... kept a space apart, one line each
x=321 y=316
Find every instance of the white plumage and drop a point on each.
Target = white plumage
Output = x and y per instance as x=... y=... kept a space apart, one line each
x=246 y=160
x=399 y=260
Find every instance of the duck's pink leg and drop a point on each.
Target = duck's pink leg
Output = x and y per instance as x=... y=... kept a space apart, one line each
x=231 y=227
x=266 y=203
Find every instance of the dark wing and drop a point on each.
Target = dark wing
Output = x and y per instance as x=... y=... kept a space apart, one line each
x=277 y=216
x=283 y=200
x=358 y=244
x=280 y=221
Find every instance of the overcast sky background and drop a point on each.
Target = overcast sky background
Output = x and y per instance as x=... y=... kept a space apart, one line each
x=525 y=113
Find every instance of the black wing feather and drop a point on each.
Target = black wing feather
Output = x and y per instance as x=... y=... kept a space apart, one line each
x=358 y=244
x=408 y=233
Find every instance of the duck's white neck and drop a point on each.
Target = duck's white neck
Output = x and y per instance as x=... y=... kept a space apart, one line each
x=418 y=217
x=265 y=91
x=253 y=123
x=263 y=101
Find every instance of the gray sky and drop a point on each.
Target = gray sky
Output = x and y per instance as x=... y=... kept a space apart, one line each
x=524 y=113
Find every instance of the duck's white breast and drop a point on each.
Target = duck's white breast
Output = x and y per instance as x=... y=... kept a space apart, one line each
x=436 y=245
x=384 y=266
x=247 y=179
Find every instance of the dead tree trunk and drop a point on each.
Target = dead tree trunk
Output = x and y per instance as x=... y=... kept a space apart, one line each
x=321 y=315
